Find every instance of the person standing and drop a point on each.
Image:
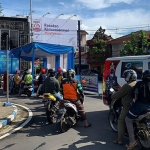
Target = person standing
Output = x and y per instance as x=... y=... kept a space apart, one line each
x=124 y=93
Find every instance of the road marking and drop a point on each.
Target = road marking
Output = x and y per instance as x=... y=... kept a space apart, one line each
x=22 y=125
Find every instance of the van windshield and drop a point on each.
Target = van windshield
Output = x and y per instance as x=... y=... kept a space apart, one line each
x=137 y=66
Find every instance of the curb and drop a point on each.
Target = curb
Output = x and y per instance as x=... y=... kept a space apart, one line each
x=9 y=118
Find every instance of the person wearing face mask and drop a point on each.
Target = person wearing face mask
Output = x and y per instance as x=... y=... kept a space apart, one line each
x=111 y=82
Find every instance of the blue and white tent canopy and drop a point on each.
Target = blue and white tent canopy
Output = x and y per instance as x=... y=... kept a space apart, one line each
x=35 y=50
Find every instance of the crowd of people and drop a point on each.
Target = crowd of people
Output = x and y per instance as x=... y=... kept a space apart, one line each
x=60 y=83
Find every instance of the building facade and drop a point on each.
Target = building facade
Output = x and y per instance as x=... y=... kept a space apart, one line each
x=17 y=31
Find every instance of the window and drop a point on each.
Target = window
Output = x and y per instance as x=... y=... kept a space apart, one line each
x=136 y=65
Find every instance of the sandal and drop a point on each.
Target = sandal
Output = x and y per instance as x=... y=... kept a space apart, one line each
x=130 y=147
x=117 y=142
x=89 y=125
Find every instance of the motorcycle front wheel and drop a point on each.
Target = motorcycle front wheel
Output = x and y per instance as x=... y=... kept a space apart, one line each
x=144 y=139
x=63 y=125
x=50 y=118
x=113 y=122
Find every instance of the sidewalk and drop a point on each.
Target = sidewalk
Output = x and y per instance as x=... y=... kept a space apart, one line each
x=7 y=114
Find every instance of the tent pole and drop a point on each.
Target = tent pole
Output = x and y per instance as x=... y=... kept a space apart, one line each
x=33 y=58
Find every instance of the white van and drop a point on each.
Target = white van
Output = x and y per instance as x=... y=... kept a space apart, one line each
x=114 y=68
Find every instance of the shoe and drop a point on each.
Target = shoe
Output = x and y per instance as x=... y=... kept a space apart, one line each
x=130 y=147
x=117 y=142
x=89 y=125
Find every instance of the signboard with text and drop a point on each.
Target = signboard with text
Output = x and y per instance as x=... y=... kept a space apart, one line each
x=55 y=31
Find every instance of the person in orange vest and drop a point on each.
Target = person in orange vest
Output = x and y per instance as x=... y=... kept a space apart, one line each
x=69 y=88
x=5 y=83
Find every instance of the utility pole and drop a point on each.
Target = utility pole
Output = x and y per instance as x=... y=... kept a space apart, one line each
x=31 y=34
x=7 y=69
x=79 y=45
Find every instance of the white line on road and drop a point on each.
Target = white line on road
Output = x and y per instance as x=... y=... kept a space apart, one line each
x=22 y=125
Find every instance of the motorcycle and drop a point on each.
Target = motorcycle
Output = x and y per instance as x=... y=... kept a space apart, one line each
x=141 y=124
x=27 y=90
x=51 y=107
x=69 y=116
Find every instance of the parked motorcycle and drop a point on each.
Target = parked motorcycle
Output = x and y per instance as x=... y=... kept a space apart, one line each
x=141 y=124
x=51 y=107
x=69 y=116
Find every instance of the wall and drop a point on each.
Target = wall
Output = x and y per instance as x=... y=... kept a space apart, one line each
x=116 y=49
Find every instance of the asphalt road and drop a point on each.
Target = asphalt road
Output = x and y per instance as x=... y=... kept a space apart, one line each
x=38 y=135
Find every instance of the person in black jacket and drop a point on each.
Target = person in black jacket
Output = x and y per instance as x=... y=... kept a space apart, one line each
x=140 y=105
x=41 y=79
x=51 y=85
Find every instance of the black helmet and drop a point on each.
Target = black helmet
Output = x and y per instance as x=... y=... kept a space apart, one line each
x=70 y=73
x=51 y=72
x=146 y=75
x=129 y=75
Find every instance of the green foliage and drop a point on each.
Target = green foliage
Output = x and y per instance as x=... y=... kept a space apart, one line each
x=136 y=46
x=99 y=46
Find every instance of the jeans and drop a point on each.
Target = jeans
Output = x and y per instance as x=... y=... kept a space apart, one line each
x=58 y=96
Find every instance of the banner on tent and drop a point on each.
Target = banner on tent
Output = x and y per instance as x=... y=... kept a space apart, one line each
x=55 y=31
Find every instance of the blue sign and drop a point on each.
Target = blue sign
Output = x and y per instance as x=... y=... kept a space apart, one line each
x=13 y=63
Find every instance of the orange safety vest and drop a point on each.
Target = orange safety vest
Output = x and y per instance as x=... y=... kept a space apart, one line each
x=70 y=91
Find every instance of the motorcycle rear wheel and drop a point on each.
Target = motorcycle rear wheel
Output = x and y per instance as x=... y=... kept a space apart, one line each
x=113 y=122
x=144 y=143
x=29 y=93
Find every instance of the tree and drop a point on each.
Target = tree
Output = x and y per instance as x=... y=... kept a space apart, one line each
x=1 y=9
x=99 y=46
x=136 y=46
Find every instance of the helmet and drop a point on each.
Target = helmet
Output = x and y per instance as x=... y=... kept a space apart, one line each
x=71 y=73
x=51 y=71
x=129 y=75
x=43 y=70
x=18 y=71
x=29 y=71
x=64 y=70
x=59 y=70
x=146 y=75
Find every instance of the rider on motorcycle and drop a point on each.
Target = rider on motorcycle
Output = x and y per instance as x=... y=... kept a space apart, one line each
x=124 y=93
x=140 y=105
x=17 y=77
x=51 y=85
x=41 y=79
x=69 y=88
x=64 y=73
x=27 y=80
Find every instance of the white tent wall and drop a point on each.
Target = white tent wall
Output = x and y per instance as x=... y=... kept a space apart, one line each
x=51 y=62
x=65 y=61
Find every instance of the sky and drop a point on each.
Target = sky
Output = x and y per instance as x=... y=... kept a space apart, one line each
x=117 y=17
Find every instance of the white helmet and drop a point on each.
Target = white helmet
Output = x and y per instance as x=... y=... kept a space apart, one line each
x=64 y=70
x=29 y=71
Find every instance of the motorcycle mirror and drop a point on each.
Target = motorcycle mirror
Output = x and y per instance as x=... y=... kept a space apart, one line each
x=111 y=90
